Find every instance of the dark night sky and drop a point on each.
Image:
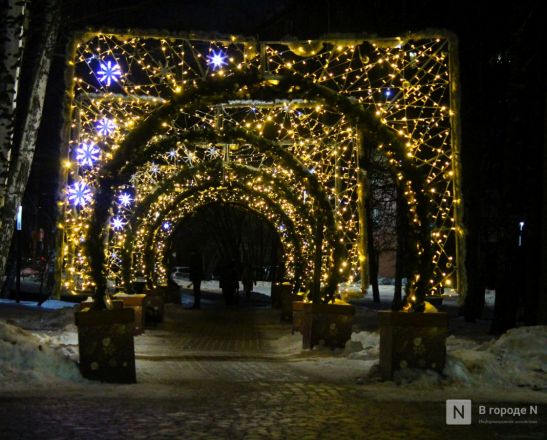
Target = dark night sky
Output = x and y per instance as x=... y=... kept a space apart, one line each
x=485 y=31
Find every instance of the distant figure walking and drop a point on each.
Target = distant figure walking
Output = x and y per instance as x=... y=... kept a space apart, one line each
x=196 y=275
x=229 y=282
x=247 y=279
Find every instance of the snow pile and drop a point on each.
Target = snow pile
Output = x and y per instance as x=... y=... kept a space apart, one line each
x=363 y=345
x=26 y=357
x=517 y=359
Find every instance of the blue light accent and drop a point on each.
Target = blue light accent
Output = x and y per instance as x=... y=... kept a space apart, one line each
x=87 y=154
x=117 y=223
x=217 y=59
x=105 y=127
x=79 y=194
x=125 y=199
x=166 y=225
x=387 y=93
x=109 y=72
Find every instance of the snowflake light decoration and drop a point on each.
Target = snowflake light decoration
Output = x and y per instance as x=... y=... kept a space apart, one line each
x=173 y=154
x=117 y=223
x=105 y=127
x=212 y=153
x=109 y=72
x=87 y=154
x=189 y=158
x=217 y=60
x=154 y=169
x=125 y=199
x=79 y=194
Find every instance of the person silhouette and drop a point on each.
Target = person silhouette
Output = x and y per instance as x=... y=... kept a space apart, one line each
x=196 y=275
x=229 y=282
x=247 y=279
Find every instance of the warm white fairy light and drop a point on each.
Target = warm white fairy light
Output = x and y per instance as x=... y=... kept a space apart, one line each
x=405 y=84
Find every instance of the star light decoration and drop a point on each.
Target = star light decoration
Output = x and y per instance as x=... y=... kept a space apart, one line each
x=217 y=60
x=213 y=153
x=125 y=199
x=105 y=127
x=79 y=194
x=87 y=154
x=109 y=72
x=154 y=169
x=118 y=223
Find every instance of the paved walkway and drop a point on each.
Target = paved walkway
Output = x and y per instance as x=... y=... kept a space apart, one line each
x=215 y=373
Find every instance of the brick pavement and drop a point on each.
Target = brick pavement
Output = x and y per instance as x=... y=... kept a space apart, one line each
x=212 y=374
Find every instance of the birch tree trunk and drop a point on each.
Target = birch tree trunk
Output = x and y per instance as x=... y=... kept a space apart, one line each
x=11 y=35
x=21 y=160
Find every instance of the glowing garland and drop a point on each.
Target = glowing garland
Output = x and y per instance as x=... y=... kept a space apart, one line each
x=417 y=108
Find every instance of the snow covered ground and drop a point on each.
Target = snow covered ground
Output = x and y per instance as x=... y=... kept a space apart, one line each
x=354 y=289
x=38 y=349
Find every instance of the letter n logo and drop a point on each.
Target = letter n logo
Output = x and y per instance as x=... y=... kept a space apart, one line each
x=458 y=412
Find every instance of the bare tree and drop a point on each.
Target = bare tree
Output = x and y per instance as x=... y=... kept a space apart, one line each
x=12 y=26
x=22 y=147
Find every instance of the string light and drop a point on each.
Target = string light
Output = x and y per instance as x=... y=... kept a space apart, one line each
x=405 y=84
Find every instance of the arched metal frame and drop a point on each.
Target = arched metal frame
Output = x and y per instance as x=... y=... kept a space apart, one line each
x=292 y=242
x=210 y=168
x=407 y=183
x=182 y=198
x=217 y=91
x=112 y=177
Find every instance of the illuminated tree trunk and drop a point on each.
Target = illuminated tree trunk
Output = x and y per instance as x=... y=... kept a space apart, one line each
x=23 y=153
x=12 y=27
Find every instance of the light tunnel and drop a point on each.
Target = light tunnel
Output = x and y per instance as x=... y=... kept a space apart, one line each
x=375 y=135
x=148 y=235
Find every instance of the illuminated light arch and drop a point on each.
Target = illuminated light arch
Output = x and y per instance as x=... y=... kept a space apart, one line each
x=222 y=90
x=289 y=239
x=146 y=206
x=243 y=171
x=426 y=94
x=112 y=176
x=258 y=195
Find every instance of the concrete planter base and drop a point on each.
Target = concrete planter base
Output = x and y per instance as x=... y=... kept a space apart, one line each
x=135 y=302
x=106 y=346
x=412 y=340
x=154 y=305
x=330 y=323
